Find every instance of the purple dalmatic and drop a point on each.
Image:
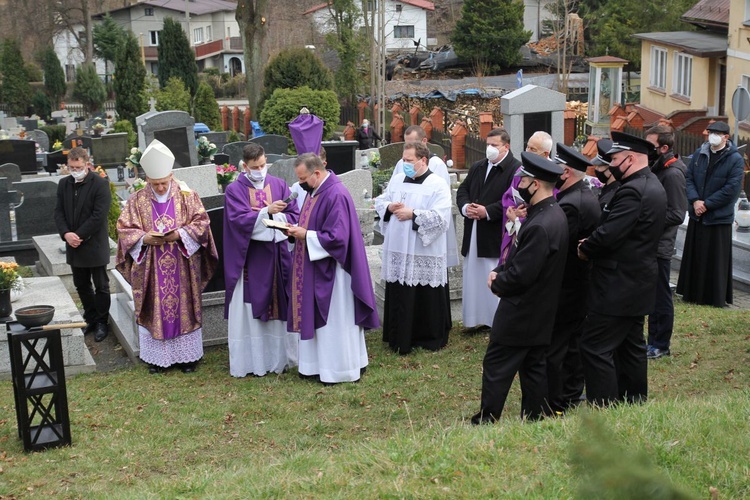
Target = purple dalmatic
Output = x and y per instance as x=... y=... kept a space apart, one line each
x=167 y=269
x=264 y=265
x=331 y=214
x=307 y=133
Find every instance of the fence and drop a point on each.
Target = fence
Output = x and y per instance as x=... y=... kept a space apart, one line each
x=443 y=139
x=685 y=144
x=475 y=149
x=349 y=114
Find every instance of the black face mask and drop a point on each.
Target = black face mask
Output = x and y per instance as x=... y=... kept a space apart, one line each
x=603 y=178
x=559 y=183
x=308 y=189
x=615 y=170
x=653 y=156
x=525 y=194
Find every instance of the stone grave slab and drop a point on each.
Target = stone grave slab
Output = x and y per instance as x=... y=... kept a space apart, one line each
x=218 y=138
x=341 y=155
x=200 y=178
x=40 y=137
x=8 y=198
x=29 y=124
x=234 y=150
x=35 y=214
x=174 y=129
x=273 y=144
x=9 y=123
x=51 y=291
x=390 y=154
x=20 y=152
x=284 y=169
x=11 y=171
x=357 y=182
x=110 y=150
x=75 y=140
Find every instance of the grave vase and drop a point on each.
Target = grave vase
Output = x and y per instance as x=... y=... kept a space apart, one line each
x=6 y=308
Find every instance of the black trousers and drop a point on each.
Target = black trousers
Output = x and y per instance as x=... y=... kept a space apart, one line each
x=501 y=363
x=95 y=303
x=614 y=359
x=564 y=366
x=661 y=319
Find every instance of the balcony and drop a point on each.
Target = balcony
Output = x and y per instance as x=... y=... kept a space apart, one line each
x=209 y=49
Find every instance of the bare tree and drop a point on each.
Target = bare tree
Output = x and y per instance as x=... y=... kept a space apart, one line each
x=251 y=16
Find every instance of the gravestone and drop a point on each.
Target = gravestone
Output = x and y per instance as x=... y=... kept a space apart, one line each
x=77 y=141
x=110 y=150
x=34 y=216
x=11 y=171
x=9 y=123
x=213 y=201
x=436 y=149
x=40 y=137
x=357 y=182
x=218 y=138
x=174 y=129
x=284 y=169
x=391 y=154
x=531 y=109
x=221 y=159
x=20 y=152
x=216 y=215
x=8 y=197
x=341 y=155
x=29 y=125
x=200 y=178
x=273 y=144
x=234 y=150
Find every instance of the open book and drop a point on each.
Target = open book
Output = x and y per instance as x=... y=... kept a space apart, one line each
x=157 y=234
x=274 y=224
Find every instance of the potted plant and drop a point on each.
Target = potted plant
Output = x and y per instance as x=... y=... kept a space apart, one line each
x=9 y=280
x=205 y=150
x=226 y=174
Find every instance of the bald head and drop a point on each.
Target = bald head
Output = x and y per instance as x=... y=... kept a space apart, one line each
x=540 y=143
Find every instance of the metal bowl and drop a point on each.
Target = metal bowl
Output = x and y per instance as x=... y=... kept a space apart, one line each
x=32 y=316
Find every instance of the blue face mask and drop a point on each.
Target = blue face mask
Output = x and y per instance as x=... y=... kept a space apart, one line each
x=409 y=170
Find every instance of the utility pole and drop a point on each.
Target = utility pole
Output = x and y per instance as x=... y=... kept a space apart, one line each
x=381 y=69
x=187 y=21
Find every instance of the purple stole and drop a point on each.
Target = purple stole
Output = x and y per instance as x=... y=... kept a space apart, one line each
x=260 y=198
x=167 y=268
x=298 y=265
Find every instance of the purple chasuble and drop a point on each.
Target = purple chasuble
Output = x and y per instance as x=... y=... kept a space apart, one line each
x=167 y=270
x=331 y=214
x=263 y=265
x=307 y=133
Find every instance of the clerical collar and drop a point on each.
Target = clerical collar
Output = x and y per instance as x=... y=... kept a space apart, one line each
x=418 y=179
x=328 y=174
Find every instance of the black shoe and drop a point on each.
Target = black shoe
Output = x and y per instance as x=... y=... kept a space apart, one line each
x=314 y=378
x=476 y=330
x=89 y=328
x=483 y=418
x=100 y=332
x=188 y=368
x=153 y=369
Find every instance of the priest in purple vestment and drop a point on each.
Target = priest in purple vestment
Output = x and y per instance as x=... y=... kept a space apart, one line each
x=332 y=300
x=166 y=252
x=257 y=266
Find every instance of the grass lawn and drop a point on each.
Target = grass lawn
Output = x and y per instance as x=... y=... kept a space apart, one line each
x=399 y=433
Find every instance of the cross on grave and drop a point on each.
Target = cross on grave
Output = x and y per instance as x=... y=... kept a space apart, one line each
x=152 y=103
x=8 y=199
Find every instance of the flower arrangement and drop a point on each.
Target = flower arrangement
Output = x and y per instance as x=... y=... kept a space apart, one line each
x=374 y=160
x=206 y=149
x=134 y=160
x=226 y=174
x=9 y=278
x=137 y=186
x=57 y=145
x=99 y=170
x=98 y=128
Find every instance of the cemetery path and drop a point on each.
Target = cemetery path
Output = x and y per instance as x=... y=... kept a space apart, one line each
x=108 y=354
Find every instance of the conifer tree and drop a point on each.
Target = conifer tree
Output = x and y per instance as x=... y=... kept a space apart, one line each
x=16 y=91
x=89 y=89
x=129 y=81
x=490 y=32
x=176 y=58
x=54 y=78
x=206 y=107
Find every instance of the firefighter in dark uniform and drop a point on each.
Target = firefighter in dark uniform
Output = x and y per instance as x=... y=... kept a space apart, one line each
x=564 y=368
x=623 y=277
x=528 y=285
x=601 y=165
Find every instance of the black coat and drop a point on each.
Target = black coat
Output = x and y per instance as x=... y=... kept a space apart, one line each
x=623 y=248
x=87 y=217
x=474 y=189
x=606 y=194
x=670 y=171
x=366 y=139
x=529 y=281
x=583 y=213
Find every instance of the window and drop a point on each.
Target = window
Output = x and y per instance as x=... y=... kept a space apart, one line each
x=149 y=11
x=658 y=73
x=208 y=34
x=403 y=31
x=372 y=5
x=197 y=36
x=683 y=73
x=153 y=37
x=399 y=7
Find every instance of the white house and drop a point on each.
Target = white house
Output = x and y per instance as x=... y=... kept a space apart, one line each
x=71 y=55
x=405 y=21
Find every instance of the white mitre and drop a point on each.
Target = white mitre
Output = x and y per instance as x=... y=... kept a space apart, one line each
x=157 y=160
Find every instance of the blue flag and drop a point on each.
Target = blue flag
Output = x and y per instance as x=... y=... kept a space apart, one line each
x=519 y=78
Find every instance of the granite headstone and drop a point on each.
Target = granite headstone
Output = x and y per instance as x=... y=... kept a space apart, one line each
x=20 y=152
x=35 y=215
x=110 y=150
x=273 y=144
x=40 y=137
x=174 y=129
x=234 y=150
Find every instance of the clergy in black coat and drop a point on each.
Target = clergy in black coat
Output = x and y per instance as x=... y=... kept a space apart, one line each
x=623 y=278
x=81 y=219
x=486 y=190
x=564 y=367
x=529 y=287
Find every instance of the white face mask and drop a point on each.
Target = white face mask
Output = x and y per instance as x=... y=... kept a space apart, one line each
x=714 y=139
x=492 y=153
x=258 y=175
x=79 y=175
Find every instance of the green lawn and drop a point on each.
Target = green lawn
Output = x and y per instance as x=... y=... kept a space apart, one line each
x=401 y=432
